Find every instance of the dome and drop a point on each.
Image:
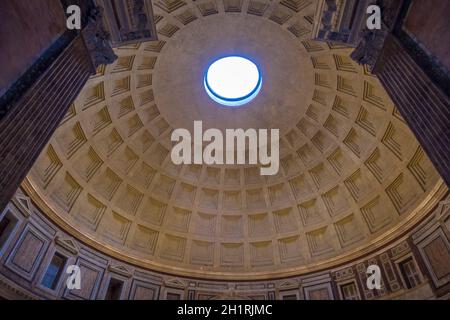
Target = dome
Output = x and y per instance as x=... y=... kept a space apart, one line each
x=351 y=176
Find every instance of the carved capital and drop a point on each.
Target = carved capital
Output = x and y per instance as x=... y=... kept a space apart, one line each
x=369 y=48
x=97 y=39
x=371 y=43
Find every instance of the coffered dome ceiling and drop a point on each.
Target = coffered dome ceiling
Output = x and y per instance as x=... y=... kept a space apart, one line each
x=352 y=175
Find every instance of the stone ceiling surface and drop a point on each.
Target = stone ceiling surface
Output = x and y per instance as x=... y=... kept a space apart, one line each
x=351 y=173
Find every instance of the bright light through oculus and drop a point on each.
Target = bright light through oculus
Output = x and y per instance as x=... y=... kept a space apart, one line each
x=233 y=81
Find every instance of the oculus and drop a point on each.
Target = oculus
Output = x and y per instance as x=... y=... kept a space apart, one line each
x=233 y=81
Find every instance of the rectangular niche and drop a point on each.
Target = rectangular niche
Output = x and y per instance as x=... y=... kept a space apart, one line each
x=115 y=227
x=335 y=201
x=178 y=219
x=261 y=254
x=173 y=248
x=232 y=254
x=145 y=239
x=310 y=213
x=348 y=230
x=205 y=224
x=255 y=199
x=319 y=242
x=285 y=220
x=300 y=186
x=209 y=199
x=89 y=212
x=259 y=225
x=232 y=200
x=231 y=226
x=164 y=186
x=185 y=194
x=202 y=253
x=232 y=177
x=153 y=211
x=279 y=194
x=376 y=215
x=290 y=249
